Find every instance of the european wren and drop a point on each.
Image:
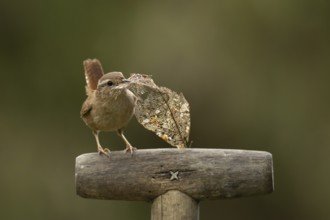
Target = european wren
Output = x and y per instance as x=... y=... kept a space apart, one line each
x=109 y=105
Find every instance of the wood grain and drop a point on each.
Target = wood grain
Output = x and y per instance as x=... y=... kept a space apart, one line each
x=200 y=173
x=174 y=205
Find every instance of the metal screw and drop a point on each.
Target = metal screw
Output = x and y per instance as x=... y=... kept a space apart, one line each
x=174 y=175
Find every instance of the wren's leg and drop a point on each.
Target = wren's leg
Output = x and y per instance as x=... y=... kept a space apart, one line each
x=129 y=147
x=100 y=149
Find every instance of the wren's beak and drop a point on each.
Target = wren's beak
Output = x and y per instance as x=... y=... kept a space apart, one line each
x=125 y=81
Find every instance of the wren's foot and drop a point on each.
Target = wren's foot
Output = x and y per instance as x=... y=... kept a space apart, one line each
x=104 y=151
x=100 y=149
x=130 y=148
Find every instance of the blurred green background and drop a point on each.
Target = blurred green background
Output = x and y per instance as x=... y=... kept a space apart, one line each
x=256 y=74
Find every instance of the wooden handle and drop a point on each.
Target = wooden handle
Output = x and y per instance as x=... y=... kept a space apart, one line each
x=200 y=173
x=174 y=205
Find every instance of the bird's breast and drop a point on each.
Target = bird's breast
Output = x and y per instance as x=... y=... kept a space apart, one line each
x=114 y=110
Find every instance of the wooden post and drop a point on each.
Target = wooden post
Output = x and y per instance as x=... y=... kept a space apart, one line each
x=175 y=180
x=174 y=205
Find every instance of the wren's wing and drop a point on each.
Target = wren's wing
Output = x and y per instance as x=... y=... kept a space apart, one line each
x=161 y=110
x=86 y=108
x=93 y=72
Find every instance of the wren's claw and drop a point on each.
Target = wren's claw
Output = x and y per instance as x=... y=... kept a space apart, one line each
x=104 y=151
x=130 y=148
x=100 y=149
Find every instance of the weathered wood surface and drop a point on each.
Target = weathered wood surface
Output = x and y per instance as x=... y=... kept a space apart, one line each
x=199 y=173
x=174 y=205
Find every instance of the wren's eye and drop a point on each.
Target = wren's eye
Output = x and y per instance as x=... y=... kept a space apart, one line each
x=109 y=83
